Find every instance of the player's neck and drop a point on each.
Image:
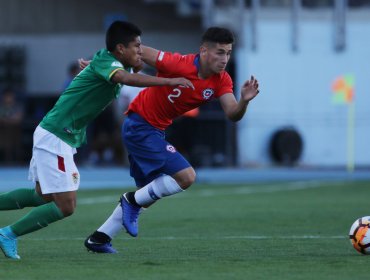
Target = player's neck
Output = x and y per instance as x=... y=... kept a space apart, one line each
x=204 y=72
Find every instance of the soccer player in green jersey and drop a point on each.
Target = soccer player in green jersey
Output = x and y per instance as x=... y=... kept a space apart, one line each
x=63 y=129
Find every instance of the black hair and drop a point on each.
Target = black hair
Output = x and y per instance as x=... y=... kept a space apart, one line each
x=218 y=35
x=121 y=32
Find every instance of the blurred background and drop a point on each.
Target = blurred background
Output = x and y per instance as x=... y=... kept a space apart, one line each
x=310 y=57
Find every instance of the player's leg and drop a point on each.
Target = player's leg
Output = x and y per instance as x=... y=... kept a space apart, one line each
x=134 y=131
x=150 y=158
x=100 y=240
x=20 y=198
x=58 y=181
x=36 y=219
x=171 y=173
x=61 y=205
x=162 y=186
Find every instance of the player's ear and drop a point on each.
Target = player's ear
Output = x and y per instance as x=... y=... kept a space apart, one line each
x=203 y=49
x=121 y=49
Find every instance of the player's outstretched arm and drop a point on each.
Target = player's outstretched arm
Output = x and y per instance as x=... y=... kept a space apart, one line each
x=149 y=55
x=83 y=63
x=139 y=80
x=235 y=110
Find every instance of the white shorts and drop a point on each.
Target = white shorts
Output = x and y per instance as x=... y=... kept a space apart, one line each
x=52 y=163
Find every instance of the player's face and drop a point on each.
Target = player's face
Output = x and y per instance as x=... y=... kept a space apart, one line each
x=217 y=56
x=132 y=53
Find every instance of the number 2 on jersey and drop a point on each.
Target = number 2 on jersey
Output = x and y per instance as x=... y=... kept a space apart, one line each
x=176 y=94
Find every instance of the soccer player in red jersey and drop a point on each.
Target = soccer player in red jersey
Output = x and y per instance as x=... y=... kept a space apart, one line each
x=158 y=169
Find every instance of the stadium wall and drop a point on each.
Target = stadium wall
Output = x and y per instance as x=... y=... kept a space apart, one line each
x=48 y=56
x=296 y=91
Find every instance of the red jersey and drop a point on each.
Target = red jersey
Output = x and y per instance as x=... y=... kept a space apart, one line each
x=161 y=104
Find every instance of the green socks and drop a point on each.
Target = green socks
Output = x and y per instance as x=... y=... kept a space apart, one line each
x=38 y=218
x=41 y=216
x=19 y=199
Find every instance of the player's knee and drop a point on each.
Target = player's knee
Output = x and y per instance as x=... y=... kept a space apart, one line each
x=188 y=179
x=67 y=207
x=67 y=210
x=66 y=202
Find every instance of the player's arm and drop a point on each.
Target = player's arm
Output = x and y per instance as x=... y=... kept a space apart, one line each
x=234 y=109
x=149 y=55
x=140 y=80
x=83 y=64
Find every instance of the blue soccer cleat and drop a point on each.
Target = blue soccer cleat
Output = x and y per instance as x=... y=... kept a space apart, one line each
x=130 y=215
x=99 y=247
x=8 y=243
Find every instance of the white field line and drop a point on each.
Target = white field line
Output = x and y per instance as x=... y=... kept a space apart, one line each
x=216 y=192
x=96 y=200
x=246 y=237
x=243 y=190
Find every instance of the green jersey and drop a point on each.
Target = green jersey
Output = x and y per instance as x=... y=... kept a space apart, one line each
x=90 y=92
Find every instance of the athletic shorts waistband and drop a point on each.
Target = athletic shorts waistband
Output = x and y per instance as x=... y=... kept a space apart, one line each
x=136 y=117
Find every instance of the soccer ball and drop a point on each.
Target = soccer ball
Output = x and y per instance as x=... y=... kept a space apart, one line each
x=359 y=235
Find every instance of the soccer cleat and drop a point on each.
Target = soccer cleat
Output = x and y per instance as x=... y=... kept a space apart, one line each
x=8 y=244
x=99 y=247
x=130 y=214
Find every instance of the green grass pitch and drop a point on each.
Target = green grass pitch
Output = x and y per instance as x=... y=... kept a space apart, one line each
x=251 y=231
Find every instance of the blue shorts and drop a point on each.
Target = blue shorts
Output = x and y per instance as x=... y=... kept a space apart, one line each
x=149 y=153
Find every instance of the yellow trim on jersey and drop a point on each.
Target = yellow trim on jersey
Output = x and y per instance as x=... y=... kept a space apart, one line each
x=114 y=72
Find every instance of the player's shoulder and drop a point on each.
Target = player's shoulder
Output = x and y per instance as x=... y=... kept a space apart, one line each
x=104 y=55
x=222 y=80
x=101 y=53
x=104 y=60
x=190 y=58
x=178 y=56
x=223 y=76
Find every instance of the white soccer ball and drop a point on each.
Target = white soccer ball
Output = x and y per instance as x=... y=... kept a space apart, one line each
x=359 y=235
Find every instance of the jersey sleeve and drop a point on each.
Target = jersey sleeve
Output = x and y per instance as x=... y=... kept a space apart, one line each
x=107 y=67
x=168 y=62
x=226 y=85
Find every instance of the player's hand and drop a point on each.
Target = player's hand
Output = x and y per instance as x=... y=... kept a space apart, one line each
x=182 y=82
x=83 y=63
x=249 y=89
